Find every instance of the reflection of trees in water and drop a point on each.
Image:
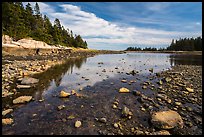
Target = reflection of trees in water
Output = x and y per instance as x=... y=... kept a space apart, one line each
x=185 y=59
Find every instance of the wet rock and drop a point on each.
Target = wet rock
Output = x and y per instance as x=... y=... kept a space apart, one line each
x=102 y=120
x=6 y=111
x=177 y=103
x=29 y=80
x=167 y=79
x=126 y=112
x=61 y=107
x=115 y=125
x=124 y=81
x=22 y=99
x=124 y=90
x=23 y=86
x=189 y=90
x=160 y=82
x=64 y=94
x=166 y=119
x=151 y=70
x=78 y=124
x=7 y=121
x=162 y=132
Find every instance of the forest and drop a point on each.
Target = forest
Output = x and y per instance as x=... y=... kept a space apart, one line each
x=23 y=22
x=186 y=44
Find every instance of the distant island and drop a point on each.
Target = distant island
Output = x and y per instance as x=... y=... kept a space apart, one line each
x=186 y=44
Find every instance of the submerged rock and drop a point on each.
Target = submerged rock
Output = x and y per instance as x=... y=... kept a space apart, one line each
x=166 y=119
x=77 y=123
x=22 y=99
x=124 y=90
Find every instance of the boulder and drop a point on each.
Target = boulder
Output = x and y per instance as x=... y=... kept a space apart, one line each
x=166 y=119
x=22 y=99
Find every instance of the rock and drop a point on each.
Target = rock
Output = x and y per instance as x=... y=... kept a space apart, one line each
x=178 y=103
x=167 y=79
x=114 y=106
x=64 y=94
x=103 y=120
x=144 y=87
x=115 y=125
x=5 y=94
x=124 y=90
x=189 y=90
x=73 y=92
x=22 y=99
x=6 y=111
x=78 y=124
x=162 y=132
x=7 y=121
x=23 y=86
x=166 y=119
x=137 y=93
x=151 y=70
x=124 y=81
x=61 y=107
x=125 y=111
x=28 y=80
x=160 y=82
x=133 y=72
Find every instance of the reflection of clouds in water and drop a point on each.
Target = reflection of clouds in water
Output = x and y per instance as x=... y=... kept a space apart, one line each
x=124 y=62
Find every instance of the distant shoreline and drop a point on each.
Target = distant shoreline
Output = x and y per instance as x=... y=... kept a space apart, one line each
x=175 y=52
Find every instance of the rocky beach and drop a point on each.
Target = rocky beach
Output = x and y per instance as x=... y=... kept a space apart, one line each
x=164 y=103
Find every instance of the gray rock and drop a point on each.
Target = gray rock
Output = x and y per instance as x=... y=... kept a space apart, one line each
x=28 y=80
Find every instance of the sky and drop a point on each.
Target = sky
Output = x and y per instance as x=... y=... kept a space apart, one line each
x=118 y=25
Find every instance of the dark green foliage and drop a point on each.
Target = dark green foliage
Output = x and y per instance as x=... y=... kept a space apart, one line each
x=19 y=22
x=186 y=44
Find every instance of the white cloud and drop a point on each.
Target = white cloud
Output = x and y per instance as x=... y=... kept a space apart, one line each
x=98 y=32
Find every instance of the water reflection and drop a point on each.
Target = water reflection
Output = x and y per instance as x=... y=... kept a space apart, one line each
x=176 y=59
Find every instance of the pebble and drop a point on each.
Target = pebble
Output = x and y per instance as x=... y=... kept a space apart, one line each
x=115 y=125
x=103 y=120
x=124 y=90
x=78 y=124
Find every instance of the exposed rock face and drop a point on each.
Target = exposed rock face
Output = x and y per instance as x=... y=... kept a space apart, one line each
x=22 y=99
x=167 y=119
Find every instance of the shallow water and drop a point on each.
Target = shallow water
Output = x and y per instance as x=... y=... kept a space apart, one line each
x=93 y=76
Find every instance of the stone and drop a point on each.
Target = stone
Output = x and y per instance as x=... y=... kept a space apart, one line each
x=28 y=80
x=124 y=90
x=7 y=121
x=167 y=79
x=125 y=111
x=23 y=86
x=64 y=94
x=115 y=125
x=61 y=107
x=124 y=81
x=178 y=103
x=103 y=120
x=6 y=111
x=189 y=90
x=73 y=92
x=78 y=124
x=114 y=106
x=144 y=87
x=162 y=132
x=160 y=82
x=151 y=70
x=22 y=99
x=166 y=119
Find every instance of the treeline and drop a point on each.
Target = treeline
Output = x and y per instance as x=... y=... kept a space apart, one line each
x=186 y=44
x=19 y=22
x=139 y=49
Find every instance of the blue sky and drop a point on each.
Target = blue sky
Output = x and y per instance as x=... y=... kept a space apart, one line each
x=118 y=25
